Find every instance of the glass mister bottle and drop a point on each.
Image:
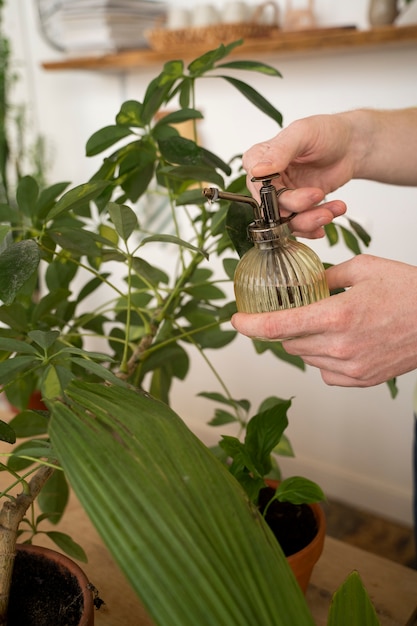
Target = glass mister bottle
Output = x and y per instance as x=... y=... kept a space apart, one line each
x=278 y=272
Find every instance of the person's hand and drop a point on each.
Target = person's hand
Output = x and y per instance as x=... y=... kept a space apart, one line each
x=314 y=156
x=358 y=338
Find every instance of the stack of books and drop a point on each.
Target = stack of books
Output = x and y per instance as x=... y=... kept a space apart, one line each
x=98 y=26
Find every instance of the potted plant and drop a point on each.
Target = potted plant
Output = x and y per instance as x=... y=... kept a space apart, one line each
x=109 y=407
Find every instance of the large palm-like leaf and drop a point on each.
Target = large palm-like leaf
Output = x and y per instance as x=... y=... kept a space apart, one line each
x=180 y=527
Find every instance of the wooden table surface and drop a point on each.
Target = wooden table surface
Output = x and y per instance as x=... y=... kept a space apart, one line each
x=392 y=587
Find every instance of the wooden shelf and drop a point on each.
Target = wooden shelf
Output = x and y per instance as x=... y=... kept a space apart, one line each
x=283 y=42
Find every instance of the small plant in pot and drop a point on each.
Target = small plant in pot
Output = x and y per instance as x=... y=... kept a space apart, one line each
x=289 y=506
x=129 y=458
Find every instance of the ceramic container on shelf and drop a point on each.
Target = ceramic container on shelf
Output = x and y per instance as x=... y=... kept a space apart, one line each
x=235 y=12
x=382 y=12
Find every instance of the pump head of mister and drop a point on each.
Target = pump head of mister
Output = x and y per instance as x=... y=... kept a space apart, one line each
x=278 y=272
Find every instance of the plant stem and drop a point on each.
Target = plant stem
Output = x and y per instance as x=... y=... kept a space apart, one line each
x=11 y=515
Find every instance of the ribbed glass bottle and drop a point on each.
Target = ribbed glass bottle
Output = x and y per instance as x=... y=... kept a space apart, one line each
x=280 y=273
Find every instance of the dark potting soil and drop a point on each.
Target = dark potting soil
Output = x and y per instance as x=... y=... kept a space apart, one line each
x=294 y=525
x=43 y=593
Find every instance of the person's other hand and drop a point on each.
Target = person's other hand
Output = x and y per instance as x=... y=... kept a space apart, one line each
x=358 y=338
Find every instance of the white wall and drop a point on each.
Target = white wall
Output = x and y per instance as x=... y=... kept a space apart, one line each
x=356 y=443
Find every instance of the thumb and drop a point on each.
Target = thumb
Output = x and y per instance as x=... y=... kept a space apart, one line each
x=346 y=274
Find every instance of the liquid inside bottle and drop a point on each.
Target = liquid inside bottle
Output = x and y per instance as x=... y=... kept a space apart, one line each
x=279 y=274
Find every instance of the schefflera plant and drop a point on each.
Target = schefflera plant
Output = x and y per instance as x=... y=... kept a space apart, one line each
x=161 y=486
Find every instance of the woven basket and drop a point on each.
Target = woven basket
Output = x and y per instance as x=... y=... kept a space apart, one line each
x=162 y=39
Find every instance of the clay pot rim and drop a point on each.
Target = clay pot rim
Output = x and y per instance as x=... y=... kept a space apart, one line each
x=87 y=618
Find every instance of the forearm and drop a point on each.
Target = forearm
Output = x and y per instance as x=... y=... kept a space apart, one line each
x=384 y=145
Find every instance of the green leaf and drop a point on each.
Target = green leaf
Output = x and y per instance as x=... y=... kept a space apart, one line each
x=18 y=263
x=104 y=138
x=219 y=397
x=193 y=173
x=158 y=89
x=255 y=97
x=392 y=386
x=351 y=605
x=277 y=350
x=263 y=433
x=229 y=266
x=130 y=114
x=205 y=292
x=179 y=116
x=16 y=345
x=360 y=232
x=27 y=194
x=29 y=423
x=173 y=239
x=238 y=218
x=7 y=432
x=207 y=61
x=54 y=497
x=47 y=198
x=76 y=197
x=173 y=503
x=10 y=368
x=67 y=545
x=299 y=490
x=350 y=240
x=78 y=241
x=331 y=233
x=44 y=339
x=222 y=417
x=252 y=66
x=123 y=218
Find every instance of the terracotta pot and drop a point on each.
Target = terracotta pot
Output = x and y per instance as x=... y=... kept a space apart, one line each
x=41 y=577
x=302 y=562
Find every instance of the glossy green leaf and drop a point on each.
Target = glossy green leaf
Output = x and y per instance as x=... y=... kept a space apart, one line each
x=252 y=66
x=208 y=60
x=54 y=497
x=256 y=98
x=360 y=232
x=104 y=138
x=12 y=367
x=77 y=241
x=7 y=432
x=175 y=240
x=277 y=350
x=216 y=572
x=130 y=114
x=67 y=545
x=18 y=263
x=350 y=240
x=263 y=433
x=47 y=198
x=27 y=194
x=44 y=339
x=193 y=173
x=299 y=490
x=180 y=116
x=16 y=345
x=222 y=399
x=123 y=218
x=29 y=423
x=351 y=605
x=239 y=216
x=331 y=233
x=221 y=418
x=76 y=197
